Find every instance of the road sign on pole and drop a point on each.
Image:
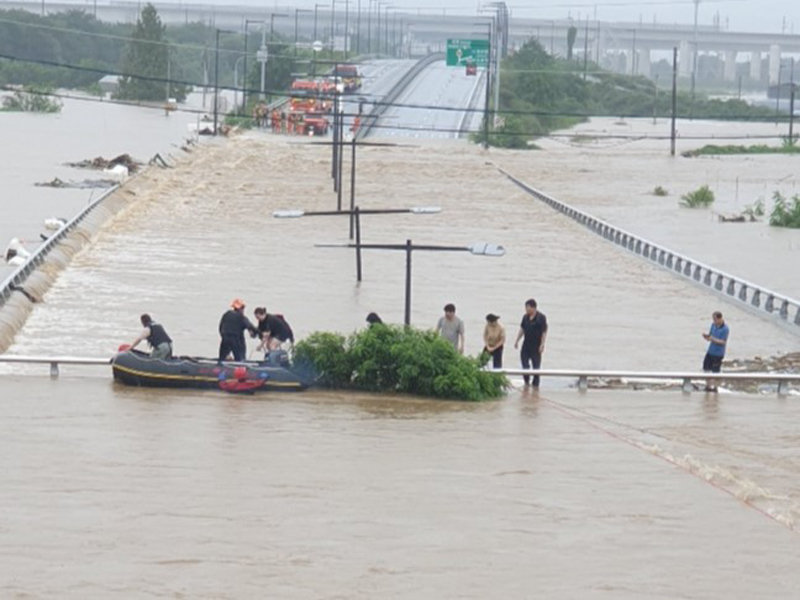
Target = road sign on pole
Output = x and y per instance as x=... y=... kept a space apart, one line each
x=467 y=52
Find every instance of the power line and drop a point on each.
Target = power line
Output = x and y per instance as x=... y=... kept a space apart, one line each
x=442 y=130
x=407 y=106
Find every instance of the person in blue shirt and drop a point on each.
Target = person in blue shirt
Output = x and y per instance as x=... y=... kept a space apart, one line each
x=717 y=338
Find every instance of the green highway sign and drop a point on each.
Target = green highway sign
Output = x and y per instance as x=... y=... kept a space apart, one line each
x=463 y=52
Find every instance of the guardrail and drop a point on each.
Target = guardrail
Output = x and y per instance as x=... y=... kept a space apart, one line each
x=782 y=379
x=369 y=121
x=55 y=361
x=730 y=286
x=14 y=281
x=471 y=105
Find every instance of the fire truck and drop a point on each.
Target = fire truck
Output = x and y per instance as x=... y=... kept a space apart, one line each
x=311 y=100
x=349 y=75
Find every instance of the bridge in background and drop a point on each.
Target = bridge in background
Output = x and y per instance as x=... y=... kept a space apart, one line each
x=624 y=47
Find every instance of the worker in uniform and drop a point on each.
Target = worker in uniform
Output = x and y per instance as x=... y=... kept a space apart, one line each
x=232 y=326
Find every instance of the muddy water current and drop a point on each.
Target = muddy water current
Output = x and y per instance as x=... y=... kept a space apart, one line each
x=618 y=494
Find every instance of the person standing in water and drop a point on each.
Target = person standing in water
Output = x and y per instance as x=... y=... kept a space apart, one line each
x=451 y=328
x=533 y=329
x=494 y=337
x=717 y=338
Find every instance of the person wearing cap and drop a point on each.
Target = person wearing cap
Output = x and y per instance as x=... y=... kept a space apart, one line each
x=494 y=337
x=156 y=337
x=232 y=326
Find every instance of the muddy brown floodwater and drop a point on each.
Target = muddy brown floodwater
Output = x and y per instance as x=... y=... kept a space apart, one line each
x=112 y=491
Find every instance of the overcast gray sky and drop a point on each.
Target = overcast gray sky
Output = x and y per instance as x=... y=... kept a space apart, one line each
x=736 y=15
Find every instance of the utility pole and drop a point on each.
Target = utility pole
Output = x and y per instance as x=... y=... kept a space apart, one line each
x=585 y=48
x=694 y=54
x=358 y=29
x=674 y=98
x=346 y=26
x=791 y=106
x=216 y=80
x=488 y=92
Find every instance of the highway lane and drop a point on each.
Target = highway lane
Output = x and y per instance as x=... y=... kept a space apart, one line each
x=378 y=77
x=437 y=87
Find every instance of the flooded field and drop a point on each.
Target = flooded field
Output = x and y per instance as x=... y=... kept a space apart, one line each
x=609 y=494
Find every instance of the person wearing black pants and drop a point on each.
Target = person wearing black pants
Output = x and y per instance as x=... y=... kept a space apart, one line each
x=231 y=331
x=494 y=336
x=533 y=329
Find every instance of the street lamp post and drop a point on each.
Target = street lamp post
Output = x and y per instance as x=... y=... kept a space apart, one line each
x=386 y=27
x=369 y=27
x=296 y=12
x=244 y=66
x=358 y=28
x=236 y=80
x=478 y=249
x=355 y=216
x=216 y=78
x=333 y=26
x=791 y=105
x=264 y=65
x=346 y=26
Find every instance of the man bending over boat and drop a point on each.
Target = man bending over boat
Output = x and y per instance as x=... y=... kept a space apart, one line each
x=274 y=330
x=156 y=337
x=232 y=326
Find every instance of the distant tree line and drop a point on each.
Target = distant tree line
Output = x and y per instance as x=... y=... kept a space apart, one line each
x=154 y=60
x=540 y=93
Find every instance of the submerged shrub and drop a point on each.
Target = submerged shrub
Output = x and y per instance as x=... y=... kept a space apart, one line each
x=31 y=99
x=396 y=359
x=323 y=355
x=783 y=213
x=700 y=198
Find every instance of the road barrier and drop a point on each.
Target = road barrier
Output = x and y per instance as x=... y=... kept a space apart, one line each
x=782 y=379
x=472 y=105
x=731 y=287
x=13 y=283
x=55 y=361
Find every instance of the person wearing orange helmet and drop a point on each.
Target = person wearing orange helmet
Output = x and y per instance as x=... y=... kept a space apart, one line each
x=232 y=326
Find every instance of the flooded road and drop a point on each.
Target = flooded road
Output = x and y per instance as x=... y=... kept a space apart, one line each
x=116 y=491
x=170 y=494
x=613 y=179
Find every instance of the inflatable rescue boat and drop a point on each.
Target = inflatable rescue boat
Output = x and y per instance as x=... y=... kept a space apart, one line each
x=132 y=367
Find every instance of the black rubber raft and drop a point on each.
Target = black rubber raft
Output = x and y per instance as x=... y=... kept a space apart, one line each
x=132 y=367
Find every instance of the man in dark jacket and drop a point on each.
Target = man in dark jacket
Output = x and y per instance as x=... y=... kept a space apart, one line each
x=231 y=330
